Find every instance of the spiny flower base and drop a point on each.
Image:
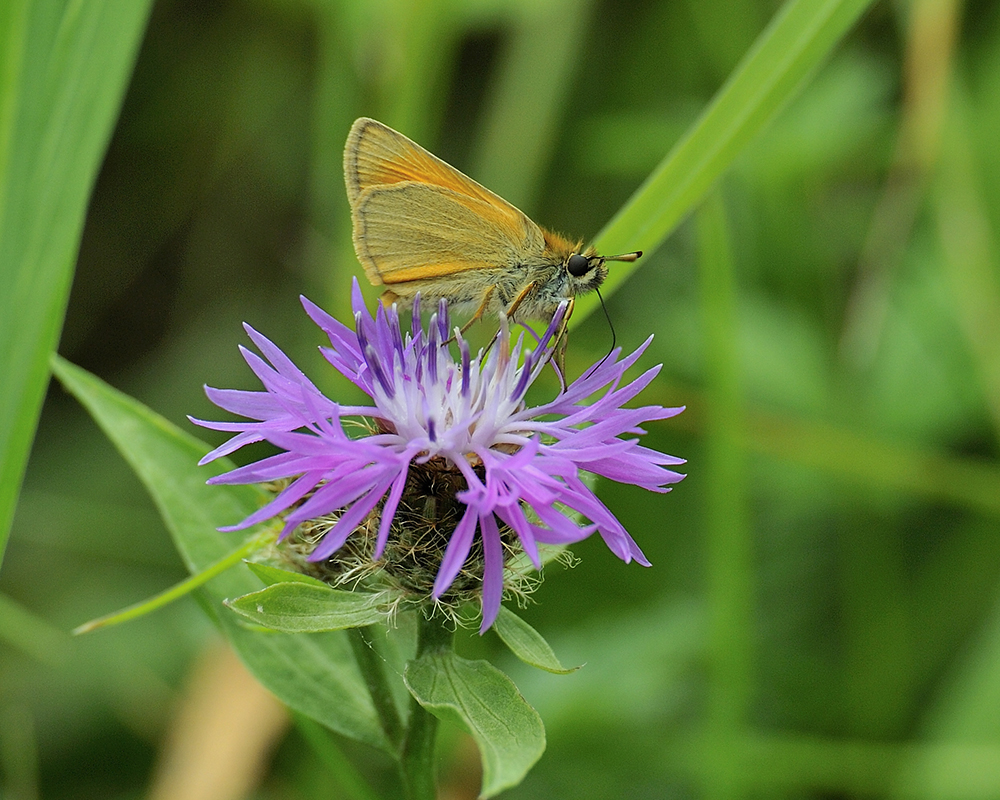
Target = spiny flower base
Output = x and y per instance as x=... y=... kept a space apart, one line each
x=424 y=521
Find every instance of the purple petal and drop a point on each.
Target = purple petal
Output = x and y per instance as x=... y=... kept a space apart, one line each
x=514 y=517
x=456 y=553
x=289 y=496
x=492 y=570
x=389 y=511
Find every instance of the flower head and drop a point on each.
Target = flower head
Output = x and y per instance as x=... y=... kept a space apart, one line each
x=443 y=428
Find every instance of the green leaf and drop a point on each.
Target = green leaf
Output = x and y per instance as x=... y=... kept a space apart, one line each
x=784 y=56
x=63 y=72
x=165 y=459
x=485 y=702
x=527 y=644
x=293 y=607
x=314 y=674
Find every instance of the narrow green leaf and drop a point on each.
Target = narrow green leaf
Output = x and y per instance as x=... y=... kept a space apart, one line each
x=314 y=674
x=63 y=72
x=178 y=590
x=485 y=702
x=293 y=607
x=784 y=56
x=527 y=644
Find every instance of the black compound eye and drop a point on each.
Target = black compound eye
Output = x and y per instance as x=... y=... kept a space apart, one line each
x=578 y=265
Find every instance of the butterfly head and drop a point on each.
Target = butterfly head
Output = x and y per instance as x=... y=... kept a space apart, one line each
x=587 y=271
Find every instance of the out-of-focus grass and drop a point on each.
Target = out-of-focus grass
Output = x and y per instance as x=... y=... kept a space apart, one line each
x=820 y=618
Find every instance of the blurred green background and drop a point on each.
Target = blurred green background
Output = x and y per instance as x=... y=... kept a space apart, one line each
x=822 y=618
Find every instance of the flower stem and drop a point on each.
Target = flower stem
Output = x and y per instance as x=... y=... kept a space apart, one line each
x=372 y=668
x=417 y=762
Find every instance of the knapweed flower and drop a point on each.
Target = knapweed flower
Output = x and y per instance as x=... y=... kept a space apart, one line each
x=447 y=445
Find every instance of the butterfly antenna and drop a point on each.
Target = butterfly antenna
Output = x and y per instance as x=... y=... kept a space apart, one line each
x=614 y=338
x=633 y=256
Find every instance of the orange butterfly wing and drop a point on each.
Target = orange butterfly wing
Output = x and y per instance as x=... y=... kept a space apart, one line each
x=416 y=217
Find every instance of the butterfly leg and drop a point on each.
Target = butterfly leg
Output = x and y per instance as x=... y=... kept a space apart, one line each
x=560 y=342
x=481 y=310
x=515 y=304
x=557 y=351
x=478 y=315
x=511 y=309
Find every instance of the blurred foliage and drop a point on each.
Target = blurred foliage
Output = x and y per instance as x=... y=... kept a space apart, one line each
x=821 y=617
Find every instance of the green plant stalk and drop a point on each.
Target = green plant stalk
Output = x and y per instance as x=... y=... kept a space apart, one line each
x=729 y=557
x=373 y=671
x=417 y=761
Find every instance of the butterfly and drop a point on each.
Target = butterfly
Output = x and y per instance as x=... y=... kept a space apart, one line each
x=420 y=225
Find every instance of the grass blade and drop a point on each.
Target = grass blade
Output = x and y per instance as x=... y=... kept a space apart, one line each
x=63 y=72
x=783 y=58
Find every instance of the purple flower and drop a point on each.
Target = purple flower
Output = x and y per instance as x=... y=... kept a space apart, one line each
x=520 y=465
